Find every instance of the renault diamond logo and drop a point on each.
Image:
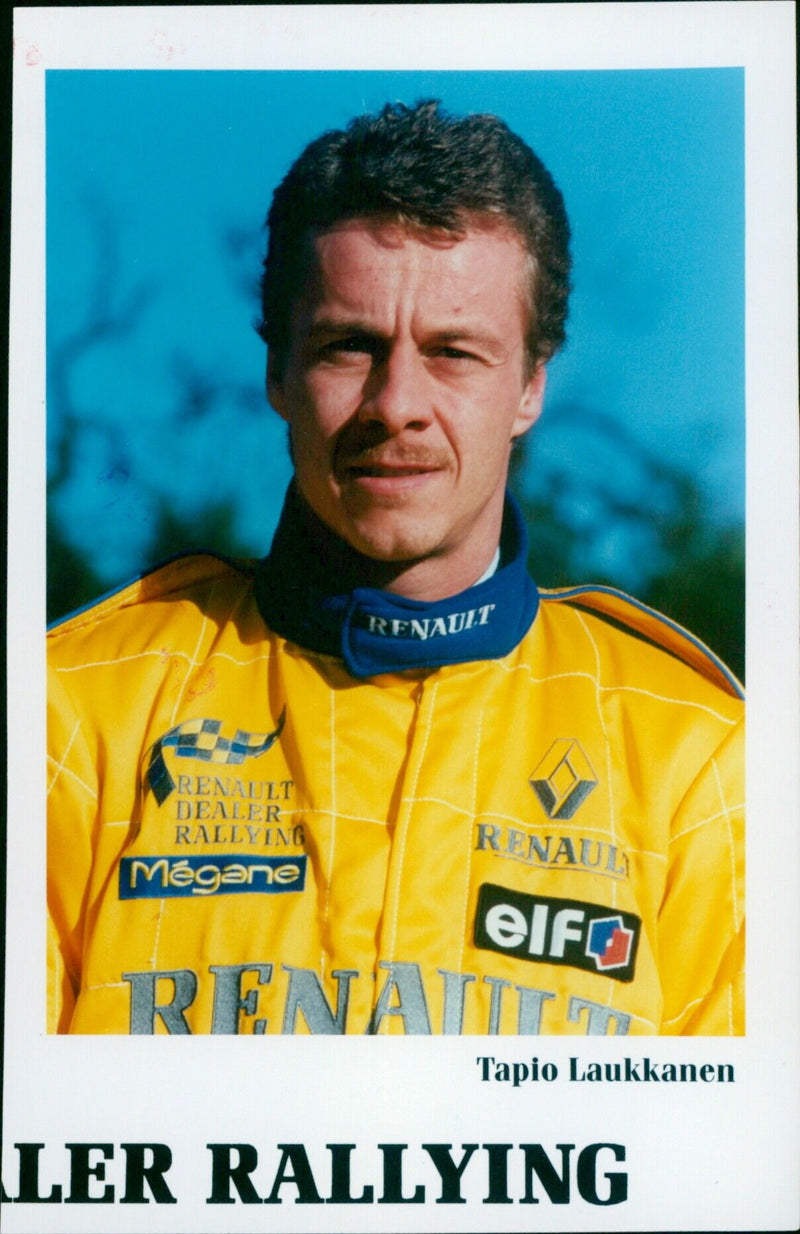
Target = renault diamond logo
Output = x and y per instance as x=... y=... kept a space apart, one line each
x=563 y=779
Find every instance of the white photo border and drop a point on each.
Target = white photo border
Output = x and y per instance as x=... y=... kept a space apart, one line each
x=709 y=1158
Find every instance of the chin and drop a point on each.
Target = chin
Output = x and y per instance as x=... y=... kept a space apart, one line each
x=392 y=545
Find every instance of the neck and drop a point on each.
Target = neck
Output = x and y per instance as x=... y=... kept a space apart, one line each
x=339 y=567
x=312 y=591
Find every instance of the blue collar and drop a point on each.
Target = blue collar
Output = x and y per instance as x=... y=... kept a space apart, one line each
x=376 y=631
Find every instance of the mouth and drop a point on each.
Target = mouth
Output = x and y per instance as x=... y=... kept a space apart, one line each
x=389 y=479
x=390 y=471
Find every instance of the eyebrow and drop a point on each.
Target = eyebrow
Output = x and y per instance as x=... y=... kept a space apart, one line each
x=325 y=327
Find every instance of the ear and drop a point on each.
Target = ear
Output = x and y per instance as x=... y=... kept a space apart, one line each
x=275 y=388
x=530 y=405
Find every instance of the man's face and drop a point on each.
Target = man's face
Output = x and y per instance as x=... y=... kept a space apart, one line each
x=404 y=387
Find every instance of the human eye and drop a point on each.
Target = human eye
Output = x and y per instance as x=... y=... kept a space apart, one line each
x=452 y=358
x=349 y=346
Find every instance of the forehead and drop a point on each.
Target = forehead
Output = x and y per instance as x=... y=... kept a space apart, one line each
x=370 y=260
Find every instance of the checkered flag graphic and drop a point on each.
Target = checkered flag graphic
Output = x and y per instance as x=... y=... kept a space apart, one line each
x=201 y=739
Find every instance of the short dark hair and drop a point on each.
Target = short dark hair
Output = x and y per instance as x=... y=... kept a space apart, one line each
x=425 y=168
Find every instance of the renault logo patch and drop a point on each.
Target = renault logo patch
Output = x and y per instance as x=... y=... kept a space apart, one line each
x=551 y=930
x=563 y=779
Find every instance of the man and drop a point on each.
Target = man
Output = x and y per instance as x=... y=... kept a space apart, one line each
x=377 y=782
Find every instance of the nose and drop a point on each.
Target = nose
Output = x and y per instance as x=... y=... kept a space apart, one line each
x=397 y=392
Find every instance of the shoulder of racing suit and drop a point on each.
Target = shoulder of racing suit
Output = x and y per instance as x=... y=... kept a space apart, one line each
x=190 y=576
x=640 y=621
x=199 y=578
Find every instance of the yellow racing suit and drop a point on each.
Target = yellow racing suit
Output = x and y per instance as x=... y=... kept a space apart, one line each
x=251 y=835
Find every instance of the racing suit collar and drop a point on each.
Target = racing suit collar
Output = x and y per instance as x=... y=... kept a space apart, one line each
x=376 y=631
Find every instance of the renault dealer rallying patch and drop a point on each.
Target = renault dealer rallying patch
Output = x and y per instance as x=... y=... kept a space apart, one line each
x=202 y=739
x=551 y=930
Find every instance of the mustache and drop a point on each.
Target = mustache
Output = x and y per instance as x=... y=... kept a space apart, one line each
x=354 y=451
x=425 y=460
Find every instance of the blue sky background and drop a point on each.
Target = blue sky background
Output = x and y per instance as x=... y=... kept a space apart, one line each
x=157 y=186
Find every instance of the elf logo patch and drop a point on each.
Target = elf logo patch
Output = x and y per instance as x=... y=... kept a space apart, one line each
x=551 y=930
x=609 y=943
